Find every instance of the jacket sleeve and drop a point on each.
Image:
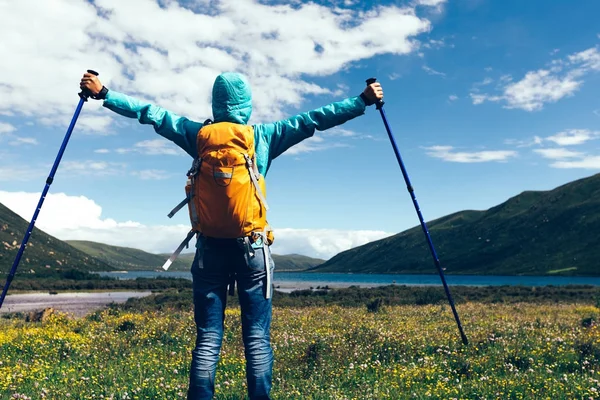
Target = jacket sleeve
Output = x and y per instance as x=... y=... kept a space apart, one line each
x=179 y=130
x=281 y=135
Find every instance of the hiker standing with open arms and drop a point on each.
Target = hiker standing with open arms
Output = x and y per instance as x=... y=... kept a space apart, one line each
x=227 y=209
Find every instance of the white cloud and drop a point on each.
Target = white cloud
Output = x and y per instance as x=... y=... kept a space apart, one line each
x=524 y=143
x=480 y=98
x=432 y=71
x=573 y=137
x=153 y=147
x=453 y=97
x=92 y=168
x=539 y=87
x=484 y=82
x=435 y=44
x=312 y=144
x=152 y=174
x=95 y=124
x=89 y=124
x=568 y=137
x=586 y=162
x=431 y=3
x=79 y=218
x=436 y=5
x=557 y=153
x=67 y=168
x=588 y=60
x=102 y=151
x=176 y=66
x=447 y=153
x=337 y=131
x=22 y=173
x=321 y=243
x=561 y=79
x=17 y=141
x=7 y=132
x=565 y=158
x=6 y=128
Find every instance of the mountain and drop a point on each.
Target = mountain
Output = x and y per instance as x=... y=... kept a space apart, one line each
x=294 y=262
x=47 y=253
x=534 y=233
x=125 y=258
x=43 y=252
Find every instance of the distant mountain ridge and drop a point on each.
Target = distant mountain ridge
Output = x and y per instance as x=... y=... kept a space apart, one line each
x=43 y=251
x=125 y=258
x=553 y=232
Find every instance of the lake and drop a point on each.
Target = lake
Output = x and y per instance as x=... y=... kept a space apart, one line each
x=81 y=303
x=288 y=281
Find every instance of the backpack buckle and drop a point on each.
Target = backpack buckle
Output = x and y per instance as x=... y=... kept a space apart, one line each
x=193 y=171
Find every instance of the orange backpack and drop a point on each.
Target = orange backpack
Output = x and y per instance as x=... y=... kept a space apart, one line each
x=225 y=193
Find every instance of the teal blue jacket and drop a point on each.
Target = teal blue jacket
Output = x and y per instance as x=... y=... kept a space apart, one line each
x=232 y=102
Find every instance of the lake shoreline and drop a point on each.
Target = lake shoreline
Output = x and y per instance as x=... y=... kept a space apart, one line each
x=80 y=303
x=84 y=301
x=77 y=303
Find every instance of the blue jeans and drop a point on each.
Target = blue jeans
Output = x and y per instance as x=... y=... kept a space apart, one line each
x=217 y=261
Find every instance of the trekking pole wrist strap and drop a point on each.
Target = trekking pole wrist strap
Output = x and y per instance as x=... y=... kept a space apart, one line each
x=366 y=100
x=101 y=94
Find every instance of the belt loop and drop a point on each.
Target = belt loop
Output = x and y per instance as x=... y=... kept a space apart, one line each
x=249 y=248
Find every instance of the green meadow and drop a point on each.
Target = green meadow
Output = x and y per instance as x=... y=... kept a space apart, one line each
x=517 y=350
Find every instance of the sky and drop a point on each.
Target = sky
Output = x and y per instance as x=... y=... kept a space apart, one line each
x=486 y=99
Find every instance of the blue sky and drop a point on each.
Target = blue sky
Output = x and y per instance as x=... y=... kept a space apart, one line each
x=486 y=99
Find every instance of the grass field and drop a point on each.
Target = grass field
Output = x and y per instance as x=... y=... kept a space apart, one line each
x=517 y=351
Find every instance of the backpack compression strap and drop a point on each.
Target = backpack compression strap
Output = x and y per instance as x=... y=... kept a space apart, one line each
x=253 y=176
x=191 y=174
x=176 y=253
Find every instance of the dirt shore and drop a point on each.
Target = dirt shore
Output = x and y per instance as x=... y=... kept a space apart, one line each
x=82 y=303
x=78 y=304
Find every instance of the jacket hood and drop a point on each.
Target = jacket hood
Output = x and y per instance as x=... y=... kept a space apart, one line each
x=231 y=98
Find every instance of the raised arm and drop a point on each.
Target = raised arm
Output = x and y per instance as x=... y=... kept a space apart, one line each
x=279 y=136
x=179 y=130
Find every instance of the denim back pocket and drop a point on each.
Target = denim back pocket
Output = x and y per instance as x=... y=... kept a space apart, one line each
x=257 y=263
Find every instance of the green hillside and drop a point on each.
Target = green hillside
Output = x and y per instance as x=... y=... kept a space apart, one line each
x=125 y=258
x=44 y=253
x=534 y=233
x=283 y=263
x=294 y=262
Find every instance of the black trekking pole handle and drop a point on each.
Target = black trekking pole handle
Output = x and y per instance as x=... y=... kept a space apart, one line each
x=421 y=220
x=85 y=94
x=379 y=103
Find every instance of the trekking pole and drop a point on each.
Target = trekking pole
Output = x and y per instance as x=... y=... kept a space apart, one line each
x=83 y=97
x=436 y=260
